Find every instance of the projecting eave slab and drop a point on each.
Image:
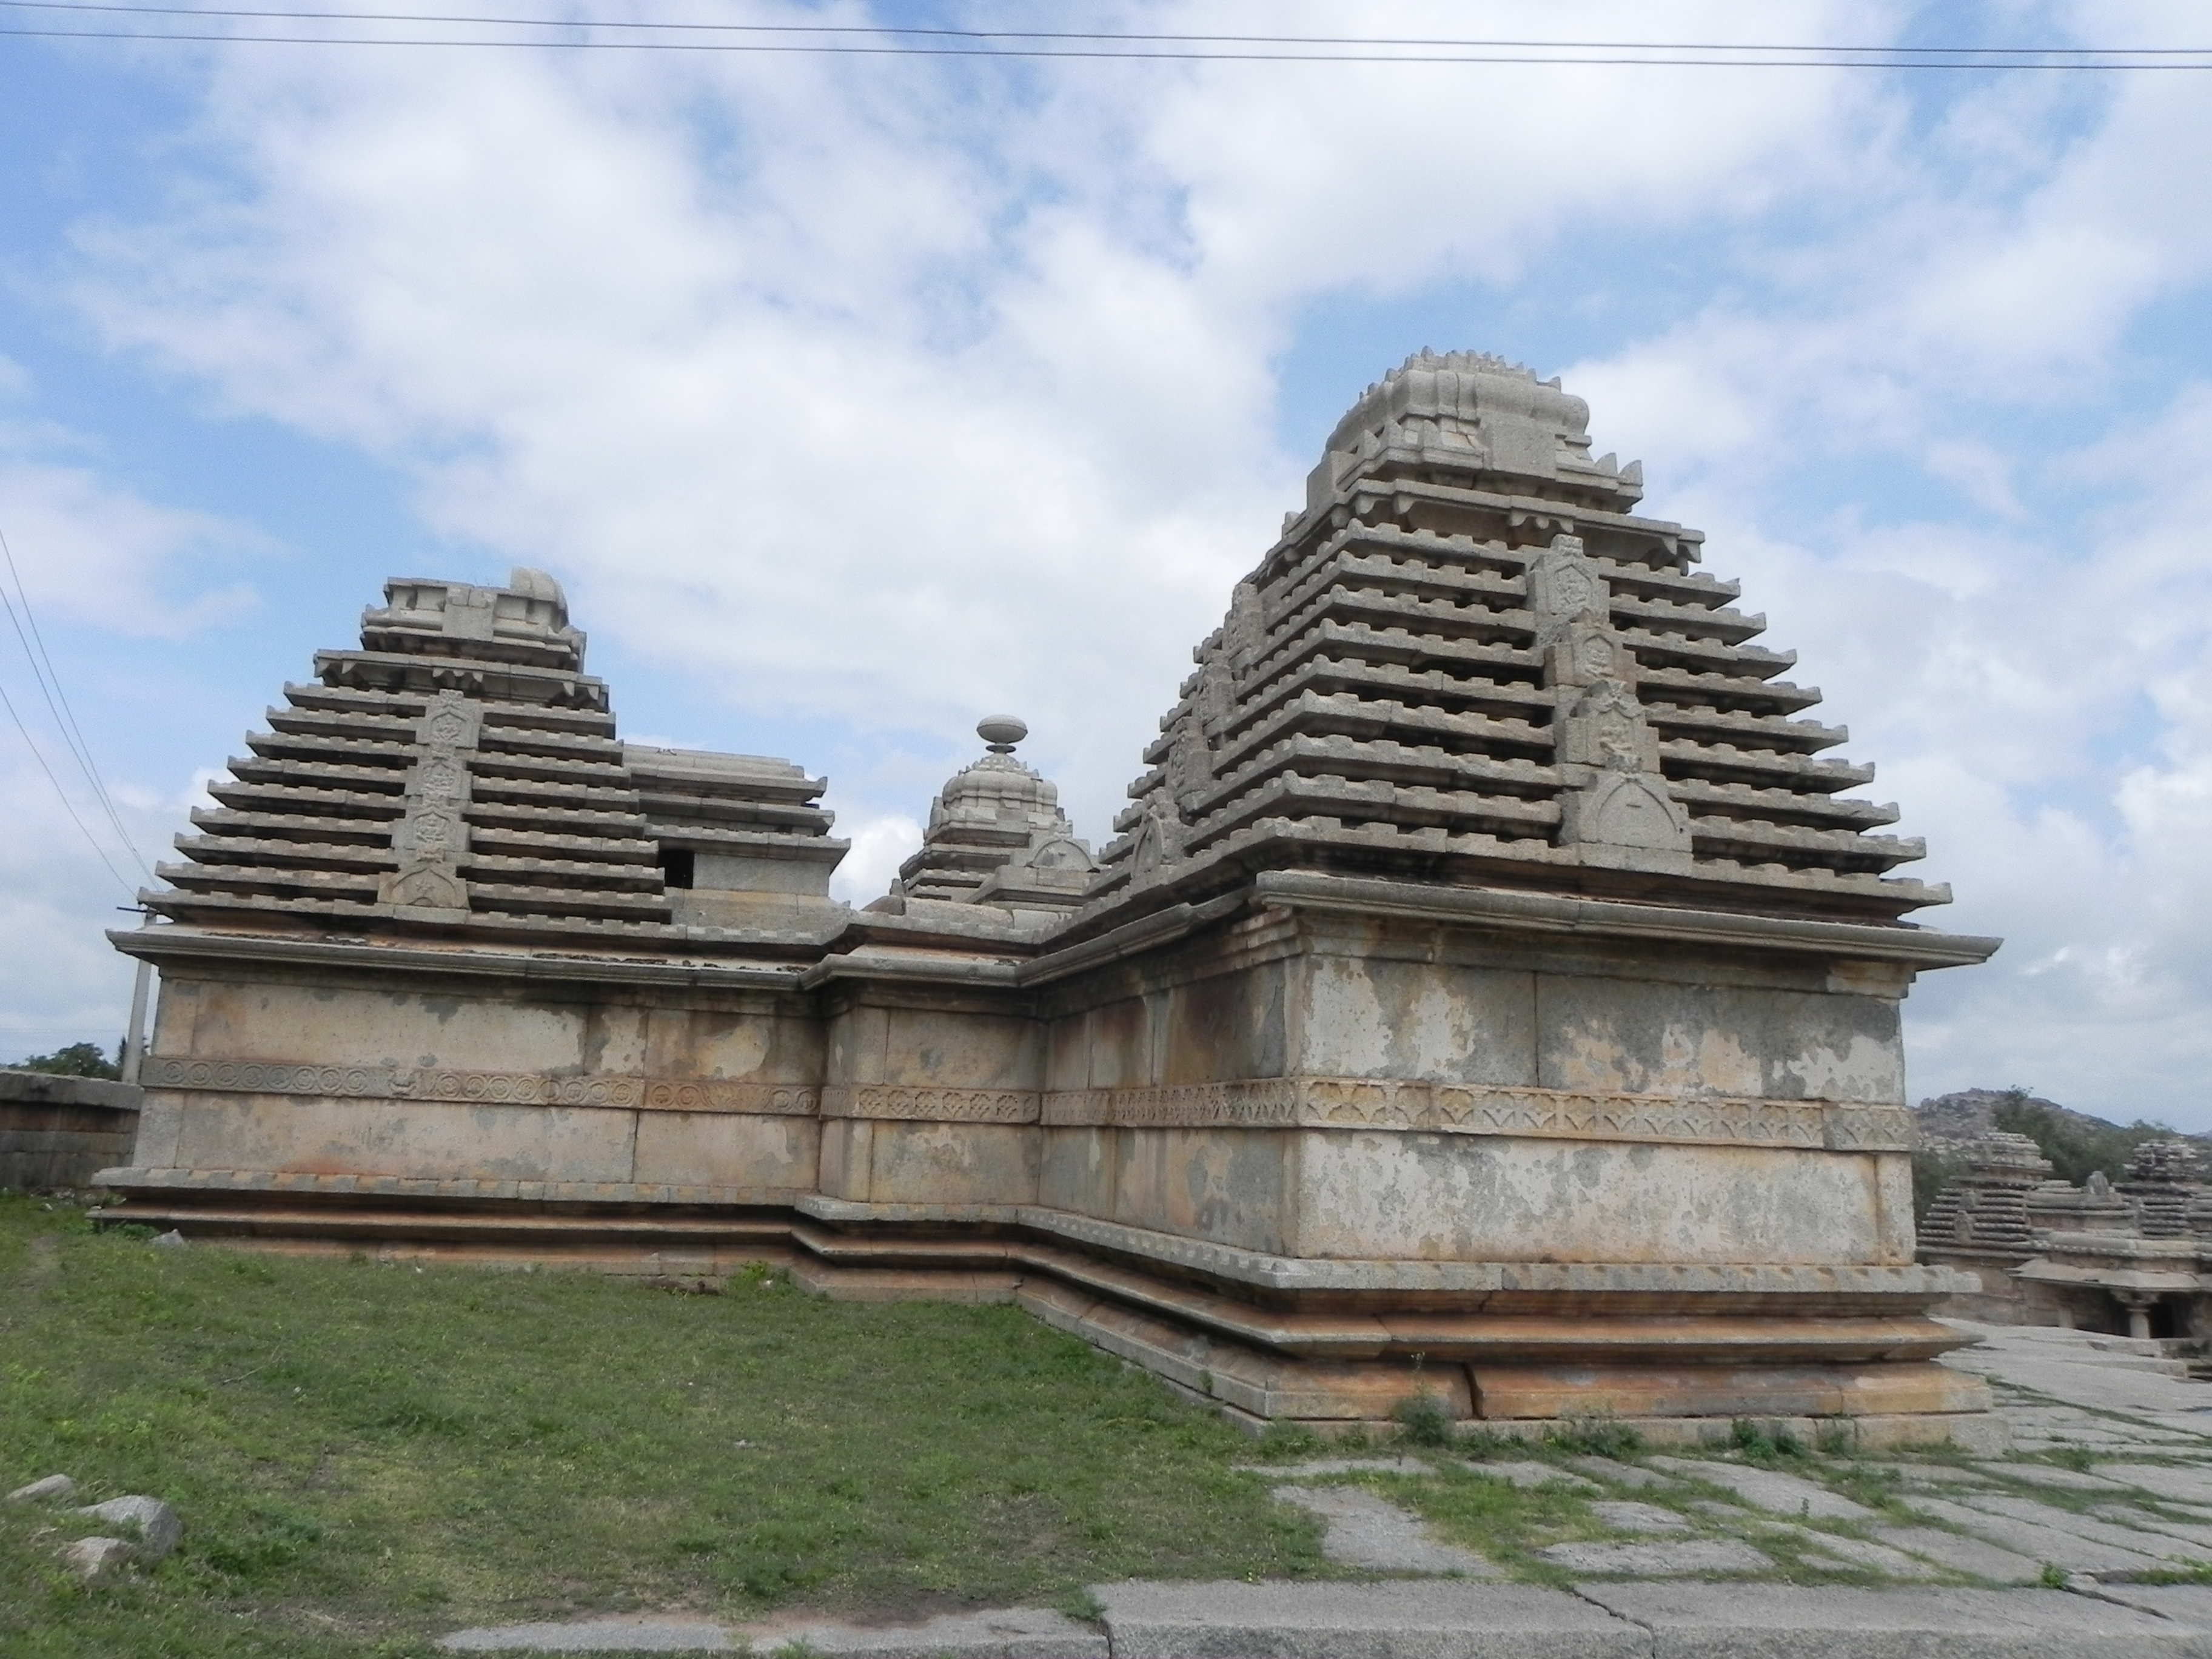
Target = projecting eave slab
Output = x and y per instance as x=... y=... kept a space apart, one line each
x=1548 y=912
x=176 y=945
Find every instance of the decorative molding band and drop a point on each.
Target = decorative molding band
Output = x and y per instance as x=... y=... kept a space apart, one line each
x=648 y=1094
x=1294 y=1102
x=1317 y=1102
x=896 y=1102
x=154 y=1183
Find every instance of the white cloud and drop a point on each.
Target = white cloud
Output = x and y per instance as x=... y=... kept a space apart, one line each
x=880 y=845
x=885 y=394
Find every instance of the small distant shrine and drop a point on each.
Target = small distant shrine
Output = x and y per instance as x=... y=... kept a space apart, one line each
x=1491 y=990
x=2132 y=1258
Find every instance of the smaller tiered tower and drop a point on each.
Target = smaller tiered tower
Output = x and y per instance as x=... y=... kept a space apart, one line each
x=997 y=836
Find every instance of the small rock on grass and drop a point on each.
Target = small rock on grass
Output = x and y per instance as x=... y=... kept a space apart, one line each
x=98 y=1561
x=54 y=1488
x=158 y=1529
x=172 y=1240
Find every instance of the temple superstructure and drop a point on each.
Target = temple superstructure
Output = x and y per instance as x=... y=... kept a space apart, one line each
x=1490 y=993
x=1466 y=658
x=996 y=835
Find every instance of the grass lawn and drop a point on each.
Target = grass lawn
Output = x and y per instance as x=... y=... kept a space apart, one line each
x=366 y=1456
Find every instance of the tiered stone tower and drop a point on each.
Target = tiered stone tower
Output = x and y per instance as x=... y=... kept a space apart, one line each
x=1986 y=1208
x=1467 y=660
x=1491 y=993
x=461 y=769
x=997 y=836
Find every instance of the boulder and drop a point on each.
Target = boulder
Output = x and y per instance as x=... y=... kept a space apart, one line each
x=98 y=1561
x=54 y=1488
x=156 y=1524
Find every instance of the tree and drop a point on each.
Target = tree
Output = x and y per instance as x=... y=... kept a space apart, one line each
x=2076 y=1145
x=78 y=1060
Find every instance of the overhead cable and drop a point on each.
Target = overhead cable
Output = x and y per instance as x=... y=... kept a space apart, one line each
x=605 y=34
x=49 y=681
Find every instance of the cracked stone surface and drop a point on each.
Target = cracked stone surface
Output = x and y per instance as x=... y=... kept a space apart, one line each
x=1367 y=1530
x=1769 y=1490
x=1679 y=1559
x=1625 y=1514
x=1531 y=1475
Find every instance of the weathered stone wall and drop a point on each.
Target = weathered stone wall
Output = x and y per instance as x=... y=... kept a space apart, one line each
x=485 y=1081
x=1333 y=1089
x=57 y=1131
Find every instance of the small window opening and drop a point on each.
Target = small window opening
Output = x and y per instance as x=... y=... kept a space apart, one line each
x=676 y=864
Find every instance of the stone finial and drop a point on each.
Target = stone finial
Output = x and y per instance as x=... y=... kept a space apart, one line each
x=1000 y=733
x=996 y=834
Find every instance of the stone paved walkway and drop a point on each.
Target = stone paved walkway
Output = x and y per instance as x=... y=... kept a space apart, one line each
x=2093 y=1536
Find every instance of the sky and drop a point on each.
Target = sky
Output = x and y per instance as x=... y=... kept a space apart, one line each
x=854 y=398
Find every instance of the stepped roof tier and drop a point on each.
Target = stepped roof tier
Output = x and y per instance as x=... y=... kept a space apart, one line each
x=1466 y=660
x=997 y=836
x=461 y=770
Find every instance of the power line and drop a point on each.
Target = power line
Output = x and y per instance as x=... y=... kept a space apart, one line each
x=887 y=40
x=9 y=703
x=903 y=31
x=58 y=703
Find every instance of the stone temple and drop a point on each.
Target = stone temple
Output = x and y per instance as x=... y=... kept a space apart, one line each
x=1491 y=990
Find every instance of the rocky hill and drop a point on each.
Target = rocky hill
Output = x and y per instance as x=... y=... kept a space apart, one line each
x=2075 y=1142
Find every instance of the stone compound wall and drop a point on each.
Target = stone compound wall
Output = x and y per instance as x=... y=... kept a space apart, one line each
x=57 y=1131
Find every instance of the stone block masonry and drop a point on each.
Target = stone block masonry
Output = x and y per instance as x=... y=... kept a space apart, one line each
x=1491 y=993
x=59 y=1132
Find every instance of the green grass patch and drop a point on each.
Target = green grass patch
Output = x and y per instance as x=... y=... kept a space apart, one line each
x=365 y=1455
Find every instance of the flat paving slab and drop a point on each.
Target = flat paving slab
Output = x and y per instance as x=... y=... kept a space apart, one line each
x=1973 y=1555
x=595 y=1635
x=1769 y=1489
x=1791 y=1621
x=2190 y=1604
x=1315 y=1468
x=1619 y=1473
x=1002 y=1633
x=2185 y=1483
x=2081 y=1526
x=2042 y=1539
x=1681 y=1557
x=1434 y=1619
x=1006 y=1633
x=1365 y=1530
x=1858 y=1551
x=1626 y=1515
x=1532 y=1475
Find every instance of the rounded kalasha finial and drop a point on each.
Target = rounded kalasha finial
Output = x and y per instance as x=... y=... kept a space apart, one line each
x=1001 y=732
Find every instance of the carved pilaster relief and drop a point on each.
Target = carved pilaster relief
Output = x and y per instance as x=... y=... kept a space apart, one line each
x=1615 y=805
x=431 y=836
